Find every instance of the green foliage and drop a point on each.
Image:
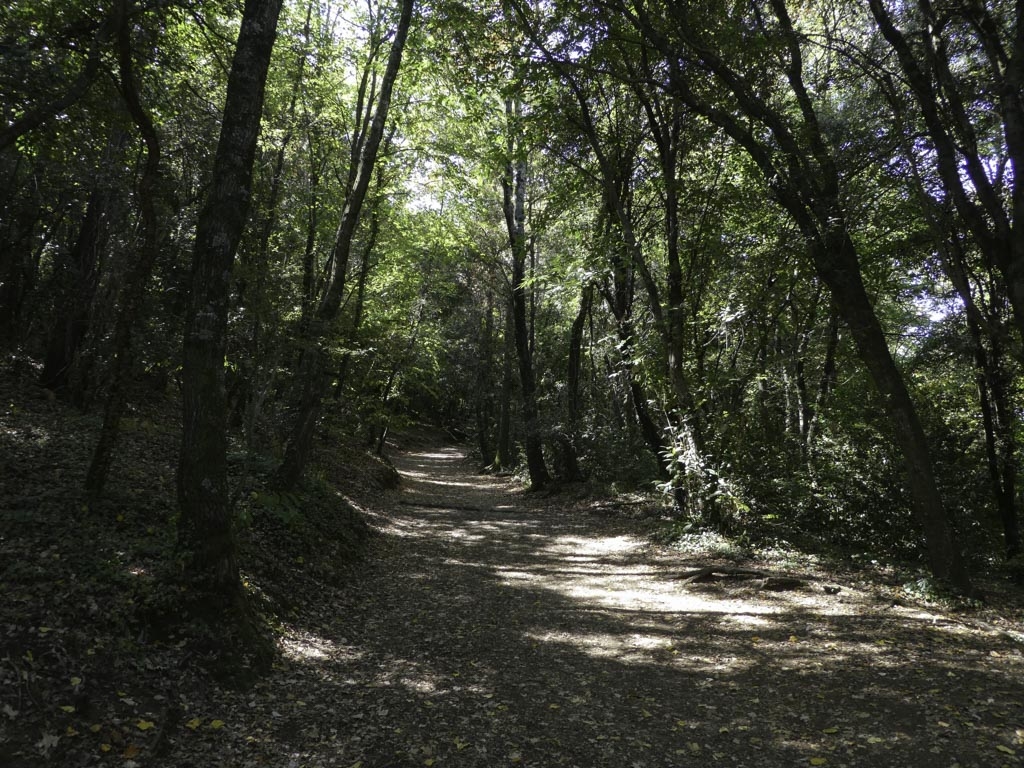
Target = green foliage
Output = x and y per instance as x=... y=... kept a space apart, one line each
x=764 y=420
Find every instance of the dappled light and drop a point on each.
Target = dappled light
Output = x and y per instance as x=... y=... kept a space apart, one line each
x=477 y=384
x=509 y=630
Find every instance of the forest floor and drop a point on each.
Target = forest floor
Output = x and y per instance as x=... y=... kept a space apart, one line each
x=496 y=627
x=484 y=626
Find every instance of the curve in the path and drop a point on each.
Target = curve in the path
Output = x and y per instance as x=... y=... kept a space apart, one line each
x=494 y=629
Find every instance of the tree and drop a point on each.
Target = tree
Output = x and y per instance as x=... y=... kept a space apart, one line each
x=785 y=138
x=312 y=366
x=963 y=64
x=205 y=528
x=514 y=183
x=133 y=290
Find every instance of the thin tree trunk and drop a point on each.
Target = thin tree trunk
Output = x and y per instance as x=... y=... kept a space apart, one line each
x=999 y=418
x=514 y=188
x=484 y=385
x=389 y=384
x=79 y=274
x=826 y=383
x=570 y=438
x=503 y=458
x=835 y=258
x=313 y=357
x=365 y=266
x=18 y=268
x=133 y=290
x=1000 y=442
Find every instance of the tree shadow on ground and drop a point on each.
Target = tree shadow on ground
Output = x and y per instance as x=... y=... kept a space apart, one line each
x=492 y=631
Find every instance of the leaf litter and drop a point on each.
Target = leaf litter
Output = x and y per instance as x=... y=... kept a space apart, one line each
x=484 y=627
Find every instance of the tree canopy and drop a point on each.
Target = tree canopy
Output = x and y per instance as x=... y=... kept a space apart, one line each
x=761 y=257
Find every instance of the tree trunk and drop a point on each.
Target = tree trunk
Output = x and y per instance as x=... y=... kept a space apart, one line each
x=836 y=261
x=514 y=187
x=503 y=457
x=22 y=213
x=998 y=419
x=569 y=439
x=300 y=441
x=205 y=535
x=826 y=384
x=365 y=266
x=484 y=404
x=133 y=291
x=257 y=361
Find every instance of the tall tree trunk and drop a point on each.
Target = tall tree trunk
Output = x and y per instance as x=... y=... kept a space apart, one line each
x=669 y=322
x=826 y=383
x=514 y=188
x=133 y=290
x=359 y=304
x=205 y=534
x=999 y=417
x=257 y=363
x=619 y=300
x=397 y=366
x=312 y=366
x=665 y=120
x=837 y=264
x=20 y=214
x=999 y=420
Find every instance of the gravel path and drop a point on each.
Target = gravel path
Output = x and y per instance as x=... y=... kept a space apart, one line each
x=491 y=629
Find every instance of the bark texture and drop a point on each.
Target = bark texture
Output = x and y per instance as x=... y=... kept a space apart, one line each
x=205 y=533
x=514 y=188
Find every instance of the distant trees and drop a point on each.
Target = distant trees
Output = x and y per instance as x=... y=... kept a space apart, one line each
x=366 y=143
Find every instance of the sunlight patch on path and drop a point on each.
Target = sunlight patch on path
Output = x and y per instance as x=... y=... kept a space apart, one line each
x=598 y=577
x=605 y=573
x=304 y=646
x=444 y=483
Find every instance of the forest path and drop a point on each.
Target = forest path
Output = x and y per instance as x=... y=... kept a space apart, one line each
x=491 y=629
